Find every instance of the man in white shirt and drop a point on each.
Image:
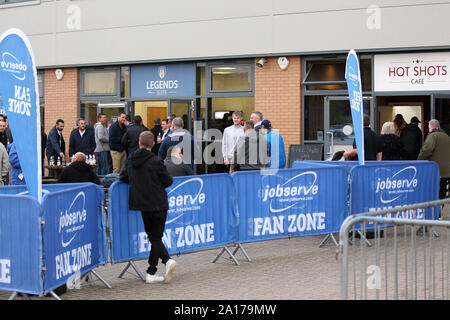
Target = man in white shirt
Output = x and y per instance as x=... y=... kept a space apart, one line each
x=231 y=135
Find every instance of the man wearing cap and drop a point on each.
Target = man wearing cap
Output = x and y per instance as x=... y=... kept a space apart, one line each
x=275 y=146
x=437 y=148
x=411 y=139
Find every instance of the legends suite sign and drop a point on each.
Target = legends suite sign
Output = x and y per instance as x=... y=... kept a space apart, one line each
x=412 y=72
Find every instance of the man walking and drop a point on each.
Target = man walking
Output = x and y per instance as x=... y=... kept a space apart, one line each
x=102 y=151
x=148 y=177
x=437 y=148
x=157 y=131
x=116 y=132
x=230 y=137
x=82 y=139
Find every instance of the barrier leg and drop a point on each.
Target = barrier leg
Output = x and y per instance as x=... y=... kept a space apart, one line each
x=55 y=295
x=327 y=238
x=239 y=246
x=131 y=263
x=224 y=248
x=12 y=296
x=101 y=279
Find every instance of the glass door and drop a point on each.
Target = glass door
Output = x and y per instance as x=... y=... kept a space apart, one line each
x=339 y=133
x=442 y=111
x=185 y=110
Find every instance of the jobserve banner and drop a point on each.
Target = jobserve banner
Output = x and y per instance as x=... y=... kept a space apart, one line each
x=202 y=214
x=386 y=185
x=19 y=92
x=20 y=244
x=73 y=234
x=353 y=77
x=290 y=202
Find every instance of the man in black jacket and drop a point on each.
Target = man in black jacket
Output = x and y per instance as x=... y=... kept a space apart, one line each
x=411 y=139
x=56 y=145
x=82 y=139
x=130 y=140
x=78 y=171
x=148 y=177
x=174 y=163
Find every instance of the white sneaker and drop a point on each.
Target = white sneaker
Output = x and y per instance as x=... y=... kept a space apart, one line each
x=153 y=278
x=170 y=267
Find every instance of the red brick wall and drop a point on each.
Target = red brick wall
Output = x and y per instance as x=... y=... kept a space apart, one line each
x=278 y=96
x=61 y=101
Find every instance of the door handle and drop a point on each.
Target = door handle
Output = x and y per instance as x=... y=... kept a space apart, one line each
x=330 y=151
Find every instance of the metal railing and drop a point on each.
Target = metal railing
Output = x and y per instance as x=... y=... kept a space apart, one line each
x=409 y=258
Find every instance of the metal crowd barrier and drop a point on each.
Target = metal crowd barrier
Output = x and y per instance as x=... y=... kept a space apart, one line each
x=410 y=258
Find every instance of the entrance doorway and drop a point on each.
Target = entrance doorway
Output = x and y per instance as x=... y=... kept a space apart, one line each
x=149 y=110
x=407 y=106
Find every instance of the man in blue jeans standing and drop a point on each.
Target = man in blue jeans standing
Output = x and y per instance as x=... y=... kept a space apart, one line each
x=102 y=153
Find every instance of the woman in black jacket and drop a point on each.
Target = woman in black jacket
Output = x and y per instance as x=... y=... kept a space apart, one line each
x=390 y=143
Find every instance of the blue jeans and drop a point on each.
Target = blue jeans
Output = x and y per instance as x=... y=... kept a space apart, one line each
x=104 y=162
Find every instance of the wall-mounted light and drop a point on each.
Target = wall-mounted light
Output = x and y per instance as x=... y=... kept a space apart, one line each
x=261 y=62
x=59 y=74
x=283 y=62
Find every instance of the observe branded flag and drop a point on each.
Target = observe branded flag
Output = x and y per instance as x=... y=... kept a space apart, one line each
x=353 y=77
x=19 y=92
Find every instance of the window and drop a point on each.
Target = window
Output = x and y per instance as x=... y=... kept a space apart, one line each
x=330 y=75
x=103 y=82
x=231 y=77
x=40 y=81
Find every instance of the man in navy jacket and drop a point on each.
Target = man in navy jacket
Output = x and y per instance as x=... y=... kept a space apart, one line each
x=116 y=132
x=56 y=145
x=82 y=139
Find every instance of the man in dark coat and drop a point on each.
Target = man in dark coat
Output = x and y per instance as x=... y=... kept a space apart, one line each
x=372 y=145
x=184 y=139
x=82 y=139
x=130 y=140
x=55 y=143
x=174 y=163
x=78 y=171
x=148 y=178
x=158 y=132
x=411 y=139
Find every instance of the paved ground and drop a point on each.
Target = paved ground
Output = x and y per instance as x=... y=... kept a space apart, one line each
x=288 y=269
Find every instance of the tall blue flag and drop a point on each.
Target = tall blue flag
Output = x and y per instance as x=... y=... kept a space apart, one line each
x=353 y=77
x=20 y=96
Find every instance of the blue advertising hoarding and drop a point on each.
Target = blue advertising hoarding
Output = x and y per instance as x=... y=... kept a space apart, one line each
x=168 y=80
x=202 y=214
x=73 y=233
x=353 y=78
x=290 y=202
x=390 y=184
x=20 y=244
x=20 y=96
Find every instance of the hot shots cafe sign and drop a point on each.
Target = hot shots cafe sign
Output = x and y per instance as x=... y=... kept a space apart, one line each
x=412 y=72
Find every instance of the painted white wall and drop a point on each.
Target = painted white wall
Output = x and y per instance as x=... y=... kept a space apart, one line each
x=84 y=32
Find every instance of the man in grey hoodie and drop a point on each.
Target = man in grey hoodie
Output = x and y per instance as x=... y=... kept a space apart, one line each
x=102 y=153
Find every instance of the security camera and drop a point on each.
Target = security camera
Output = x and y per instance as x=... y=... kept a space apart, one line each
x=261 y=62
x=283 y=62
x=59 y=74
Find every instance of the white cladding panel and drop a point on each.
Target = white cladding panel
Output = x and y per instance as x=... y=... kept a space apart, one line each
x=112 y=31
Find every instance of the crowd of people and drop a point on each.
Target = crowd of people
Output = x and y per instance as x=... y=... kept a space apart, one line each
x=402 y=141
